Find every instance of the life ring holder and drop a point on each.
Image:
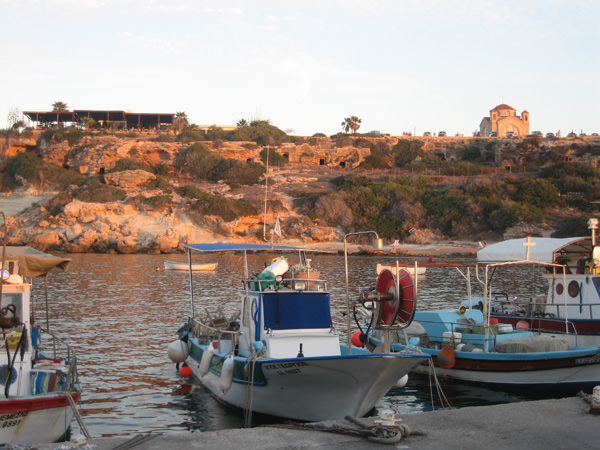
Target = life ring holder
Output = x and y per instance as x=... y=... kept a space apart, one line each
x=400 y=308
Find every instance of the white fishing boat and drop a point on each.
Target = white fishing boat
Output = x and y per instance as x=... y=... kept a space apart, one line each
x=280 y=355
x=195 y=266
x=38 y=371
x=571 y=305
x=467 y=344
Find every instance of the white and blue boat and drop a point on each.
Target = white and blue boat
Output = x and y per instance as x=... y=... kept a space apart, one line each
x=281 y=355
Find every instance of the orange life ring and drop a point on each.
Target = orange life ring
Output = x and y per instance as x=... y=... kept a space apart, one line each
x=402 y=309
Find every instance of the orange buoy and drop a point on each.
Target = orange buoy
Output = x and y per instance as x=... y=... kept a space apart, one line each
x=356 y=339
x=185 y=371
x=493 y=321
x=446 y=358
x=522 y=325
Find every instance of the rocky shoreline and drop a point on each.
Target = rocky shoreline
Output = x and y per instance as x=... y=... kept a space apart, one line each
x=117 y=228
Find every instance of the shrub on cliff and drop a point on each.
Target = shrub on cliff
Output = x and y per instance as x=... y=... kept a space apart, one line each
x=94 y=190
x=28 y=166
x=124 y=164
x=275 y=158
x=406 y=151
x=190 y=191
x=227 y=208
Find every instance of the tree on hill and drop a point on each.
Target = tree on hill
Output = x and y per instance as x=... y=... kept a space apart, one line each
x=351 y=123
x=59 y=107
x=181 y=120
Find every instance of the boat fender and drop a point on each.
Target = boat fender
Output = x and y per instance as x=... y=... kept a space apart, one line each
x=178 y=351
x=401 y=382
x=226 y=375
x=206 y=359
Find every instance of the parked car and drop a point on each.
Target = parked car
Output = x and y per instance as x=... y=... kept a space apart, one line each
x=536 y=133
x=442 y=133
x=494 y=134
x=549 y=135
x=510 y=134
x=426 y=133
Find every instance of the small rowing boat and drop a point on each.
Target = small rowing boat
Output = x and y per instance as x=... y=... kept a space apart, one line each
x=196 y=267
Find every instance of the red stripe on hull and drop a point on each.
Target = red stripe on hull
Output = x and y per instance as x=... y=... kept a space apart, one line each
x=36 y=402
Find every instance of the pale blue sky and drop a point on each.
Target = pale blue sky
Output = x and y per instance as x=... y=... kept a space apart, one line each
x=422 y=65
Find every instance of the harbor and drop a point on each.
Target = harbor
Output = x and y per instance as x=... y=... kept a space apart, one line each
x=121 y=313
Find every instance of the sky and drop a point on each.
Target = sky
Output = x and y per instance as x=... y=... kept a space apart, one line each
x=306 y=65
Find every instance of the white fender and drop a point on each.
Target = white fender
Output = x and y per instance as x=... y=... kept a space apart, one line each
x=401 y=382
x=206 y=359
x=178 y=351
x=226 y=375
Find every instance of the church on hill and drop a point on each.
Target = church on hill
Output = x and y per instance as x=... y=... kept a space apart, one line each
x=504 y=122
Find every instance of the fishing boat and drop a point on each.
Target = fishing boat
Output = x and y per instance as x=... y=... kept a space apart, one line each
x=280 y=354
x=195 y=266
x=38 y=370
x=571 y=304
x=467 y=344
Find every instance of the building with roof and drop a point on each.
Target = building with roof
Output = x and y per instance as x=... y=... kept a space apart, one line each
x=106 y=119
x=504 y=122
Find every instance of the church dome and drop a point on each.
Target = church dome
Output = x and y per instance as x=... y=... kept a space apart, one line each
x=503 y=106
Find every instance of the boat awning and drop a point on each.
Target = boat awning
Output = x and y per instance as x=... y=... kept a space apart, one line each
x=228 y=247
x=32 y=262
x=541 y=249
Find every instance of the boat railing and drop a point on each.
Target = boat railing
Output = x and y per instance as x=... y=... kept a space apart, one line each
x=310 y=281
x=538 y=307
x=50 y=345
x=218 y=331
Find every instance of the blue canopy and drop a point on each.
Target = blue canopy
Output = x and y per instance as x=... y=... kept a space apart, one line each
x=225 y=247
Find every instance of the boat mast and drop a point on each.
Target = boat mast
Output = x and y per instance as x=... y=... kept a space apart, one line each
x=266 y=193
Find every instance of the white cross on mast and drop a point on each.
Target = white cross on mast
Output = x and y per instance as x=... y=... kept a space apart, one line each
x=528 y=244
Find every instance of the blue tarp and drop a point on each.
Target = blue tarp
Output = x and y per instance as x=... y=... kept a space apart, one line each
x=226 y=247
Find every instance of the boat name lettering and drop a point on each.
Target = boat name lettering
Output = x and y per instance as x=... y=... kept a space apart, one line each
x=284 y=365
x=590 y=360
x=11 y=420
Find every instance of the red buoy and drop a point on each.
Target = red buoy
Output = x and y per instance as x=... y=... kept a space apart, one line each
x=493 y=321
x=356 y=340
x=522 y=325
x=185 y=371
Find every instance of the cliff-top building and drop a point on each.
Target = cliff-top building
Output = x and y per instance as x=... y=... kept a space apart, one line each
x=504 y=122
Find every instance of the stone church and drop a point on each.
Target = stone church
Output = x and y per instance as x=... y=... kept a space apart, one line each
x=504 y=122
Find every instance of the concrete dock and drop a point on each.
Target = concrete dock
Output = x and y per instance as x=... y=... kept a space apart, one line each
x=545 y=424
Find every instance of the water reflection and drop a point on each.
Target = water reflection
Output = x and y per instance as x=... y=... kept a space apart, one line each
x=120 y=313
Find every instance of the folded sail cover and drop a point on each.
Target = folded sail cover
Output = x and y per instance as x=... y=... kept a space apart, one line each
x=540 y=249
x=32 y=262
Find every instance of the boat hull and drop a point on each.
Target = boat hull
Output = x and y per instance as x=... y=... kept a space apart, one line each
x=309 y=389
x=577 y=369
x=36 y=418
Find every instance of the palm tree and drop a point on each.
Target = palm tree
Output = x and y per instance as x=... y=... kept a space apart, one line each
x=242 y=123
x=351 y=123
x=59 y=107
x=181 y=120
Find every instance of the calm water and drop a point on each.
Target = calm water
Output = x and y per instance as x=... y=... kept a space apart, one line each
x=119 y=313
